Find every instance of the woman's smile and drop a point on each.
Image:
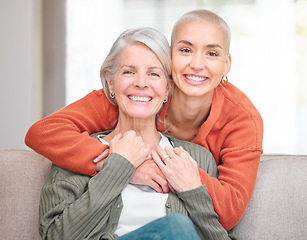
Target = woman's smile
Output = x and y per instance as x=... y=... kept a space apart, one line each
x=195 y=79
x=137 y=98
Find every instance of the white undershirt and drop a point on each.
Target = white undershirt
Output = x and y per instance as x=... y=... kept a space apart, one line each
x=141 y=204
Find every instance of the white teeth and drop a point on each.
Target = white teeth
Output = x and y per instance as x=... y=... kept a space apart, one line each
x=195 y=78
x=140 y=99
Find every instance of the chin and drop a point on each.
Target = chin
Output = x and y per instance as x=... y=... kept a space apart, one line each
x=144 y=114
x=194 y=92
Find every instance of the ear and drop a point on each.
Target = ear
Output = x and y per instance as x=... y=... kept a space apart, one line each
x=227 y=65
x=110 y=85
x=169 y=87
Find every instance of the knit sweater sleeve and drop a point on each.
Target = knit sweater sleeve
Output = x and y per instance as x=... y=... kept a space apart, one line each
x=198 y=204
x=232 y=191
x=233 y=133
x=75 y=206
x=63 y=136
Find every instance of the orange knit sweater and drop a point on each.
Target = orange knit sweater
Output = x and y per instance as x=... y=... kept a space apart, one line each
x=233 y=133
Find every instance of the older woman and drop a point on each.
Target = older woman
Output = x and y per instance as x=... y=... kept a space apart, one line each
x=135 y=75
x=204 y=109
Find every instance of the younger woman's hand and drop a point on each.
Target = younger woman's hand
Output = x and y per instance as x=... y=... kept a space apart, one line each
x=100 y=159
x=148 y=173
x=179 y=168
x=130 y=146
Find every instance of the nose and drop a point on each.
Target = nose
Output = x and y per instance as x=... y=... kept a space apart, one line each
x=197 y=62
x=141 y=81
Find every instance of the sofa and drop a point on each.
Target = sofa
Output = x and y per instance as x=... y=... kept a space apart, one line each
x=277 y=209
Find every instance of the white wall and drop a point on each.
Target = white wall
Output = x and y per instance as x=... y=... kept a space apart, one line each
x=54 y=55
x=266 y=50
x=91 y=30
x=20 y=69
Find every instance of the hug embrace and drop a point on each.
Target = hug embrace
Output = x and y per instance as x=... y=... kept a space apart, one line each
x=168 y=148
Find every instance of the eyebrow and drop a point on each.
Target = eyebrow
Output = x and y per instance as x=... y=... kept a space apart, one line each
x=155 y=68
x=132 y=66
x=185 y=42
x=208 y=46
x=129 y=66
x=214 y=46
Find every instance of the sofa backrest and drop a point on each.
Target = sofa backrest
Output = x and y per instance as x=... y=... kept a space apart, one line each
x=277 y=209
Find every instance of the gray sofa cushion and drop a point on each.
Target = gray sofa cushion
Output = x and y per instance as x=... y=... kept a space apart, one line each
x=278 y=207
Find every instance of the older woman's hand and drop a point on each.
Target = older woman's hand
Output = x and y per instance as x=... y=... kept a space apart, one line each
x=130 y=146
x=179 y=168
x=148 y=173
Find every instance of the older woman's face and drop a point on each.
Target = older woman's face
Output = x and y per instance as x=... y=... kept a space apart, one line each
x=140 y=84
x=199 y=57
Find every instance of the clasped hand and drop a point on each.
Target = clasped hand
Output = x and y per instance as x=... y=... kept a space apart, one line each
x=178 y=172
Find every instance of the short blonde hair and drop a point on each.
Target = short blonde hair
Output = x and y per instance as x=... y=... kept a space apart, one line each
x=203 y=15
x=151 y=38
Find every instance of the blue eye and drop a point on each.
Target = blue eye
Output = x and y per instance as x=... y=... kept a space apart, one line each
x=127 y=72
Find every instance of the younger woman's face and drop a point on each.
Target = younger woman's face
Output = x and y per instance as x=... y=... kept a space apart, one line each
x=140 y=84
x=199 y=57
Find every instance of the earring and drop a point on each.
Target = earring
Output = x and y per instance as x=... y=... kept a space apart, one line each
x=224 y=79
x=165 y=99
x=112 y=94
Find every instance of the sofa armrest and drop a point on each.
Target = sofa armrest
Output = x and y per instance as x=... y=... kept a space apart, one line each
x=22 y=175
x=278 y=207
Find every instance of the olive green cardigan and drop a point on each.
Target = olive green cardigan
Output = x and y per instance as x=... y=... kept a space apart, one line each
x=75 y=206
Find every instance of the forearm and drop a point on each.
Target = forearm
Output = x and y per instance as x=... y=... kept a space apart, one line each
x=72 y=205
x=63 y=137
x=198 y=204
x=232 y=191
x=65 y=146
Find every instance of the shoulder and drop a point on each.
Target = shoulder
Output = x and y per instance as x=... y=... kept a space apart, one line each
x=233 y=104
x=63 y=178
x=95 y=95
x=98 y=96
x=185 y=144
x=96 y=100
x=235 y=113
x=195 y=150
x=100 y=105
x=97 y=135
x=200 y=154
x=233 y=98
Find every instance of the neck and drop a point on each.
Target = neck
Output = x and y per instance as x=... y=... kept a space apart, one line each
x=145 y=128
x=194 y=110
x=186 y=114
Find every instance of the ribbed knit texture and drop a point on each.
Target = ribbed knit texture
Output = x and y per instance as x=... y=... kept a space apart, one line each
x=233 y=133
x=75 y=206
